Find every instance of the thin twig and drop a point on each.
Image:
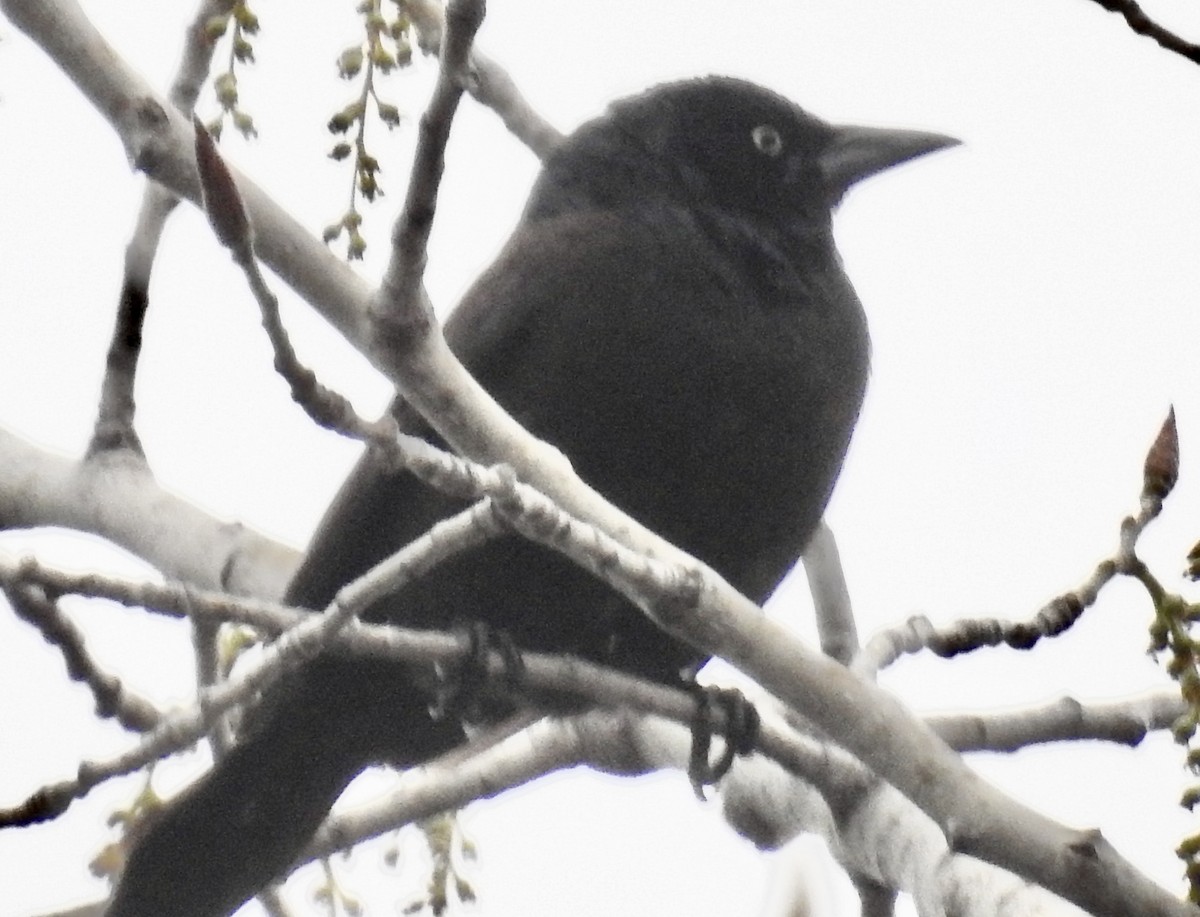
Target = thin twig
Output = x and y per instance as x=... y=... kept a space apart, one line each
x=401 y=310
x=302 y=642
x=831 y=596
x=114 y=427
x=113 y=699
x=490 y=84
x=1160 y=473
x=1126 y=722
x=1141 y=23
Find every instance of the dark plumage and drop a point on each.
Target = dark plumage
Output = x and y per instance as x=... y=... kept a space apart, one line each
x=672 y=314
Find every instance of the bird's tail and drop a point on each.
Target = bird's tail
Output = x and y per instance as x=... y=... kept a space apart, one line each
x=239 y=826
x=246 y=821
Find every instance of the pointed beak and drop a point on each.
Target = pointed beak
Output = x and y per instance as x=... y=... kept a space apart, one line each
x=856 y=153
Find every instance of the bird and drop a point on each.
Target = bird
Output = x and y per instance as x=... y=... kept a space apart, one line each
x=670 y=312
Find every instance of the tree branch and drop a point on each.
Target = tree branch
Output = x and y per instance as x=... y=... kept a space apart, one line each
x=831 y=596
x=1142 y=24
x=1125 y=721
x=114 y=428
x=116 y=497
x=112 y=698
x=1052 y=619
x=489 y=83
x=401 y=309
x=868 y=819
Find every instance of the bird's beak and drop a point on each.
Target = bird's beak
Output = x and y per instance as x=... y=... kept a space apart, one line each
x=855 y=153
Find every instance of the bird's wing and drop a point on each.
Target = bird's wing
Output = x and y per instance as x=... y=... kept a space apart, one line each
x=616 y=337
x=547 y=275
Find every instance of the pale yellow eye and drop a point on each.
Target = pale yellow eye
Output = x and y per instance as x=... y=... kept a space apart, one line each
x=767 y=139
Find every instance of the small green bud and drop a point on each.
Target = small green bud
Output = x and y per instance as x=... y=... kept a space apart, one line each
x=367 y=185
x=382 y=58
x=350 y=62
x=246 y=19
x=225 y=86
x=1190 y=798
x=215 y=27
x=245 y=124
x=243 y=50
x=344 y=119
x=403 y=51
x=388 y=114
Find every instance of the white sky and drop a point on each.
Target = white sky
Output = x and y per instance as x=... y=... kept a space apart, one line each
x=1031 y=298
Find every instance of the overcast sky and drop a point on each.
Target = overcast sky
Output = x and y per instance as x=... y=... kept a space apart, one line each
x=1032 y=304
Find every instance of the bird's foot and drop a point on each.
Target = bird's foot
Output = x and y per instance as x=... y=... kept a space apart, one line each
x=716 y=707
x=471 y=690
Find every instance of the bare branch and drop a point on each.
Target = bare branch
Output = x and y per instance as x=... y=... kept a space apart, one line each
x=1125 y=721
x=114 y=428
x=302 y=642
x=831 y=596
x=840 y=780
x=544 y=676
x=871 y=829
x=158 y=140
x=1052 y=619
x=116 y=497
x=95 y=909
x=1144 y=25
x=881 y=835
x=113 y=699
x=875 y=833
x=819 y=765
x=401 y=310
x=490 y=84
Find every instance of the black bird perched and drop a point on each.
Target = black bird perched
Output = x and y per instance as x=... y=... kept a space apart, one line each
x=671 y=313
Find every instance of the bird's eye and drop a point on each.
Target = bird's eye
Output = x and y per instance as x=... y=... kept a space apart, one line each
x=767 y=139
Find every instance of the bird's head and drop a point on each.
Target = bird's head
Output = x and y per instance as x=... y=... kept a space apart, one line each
x=727 y=142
